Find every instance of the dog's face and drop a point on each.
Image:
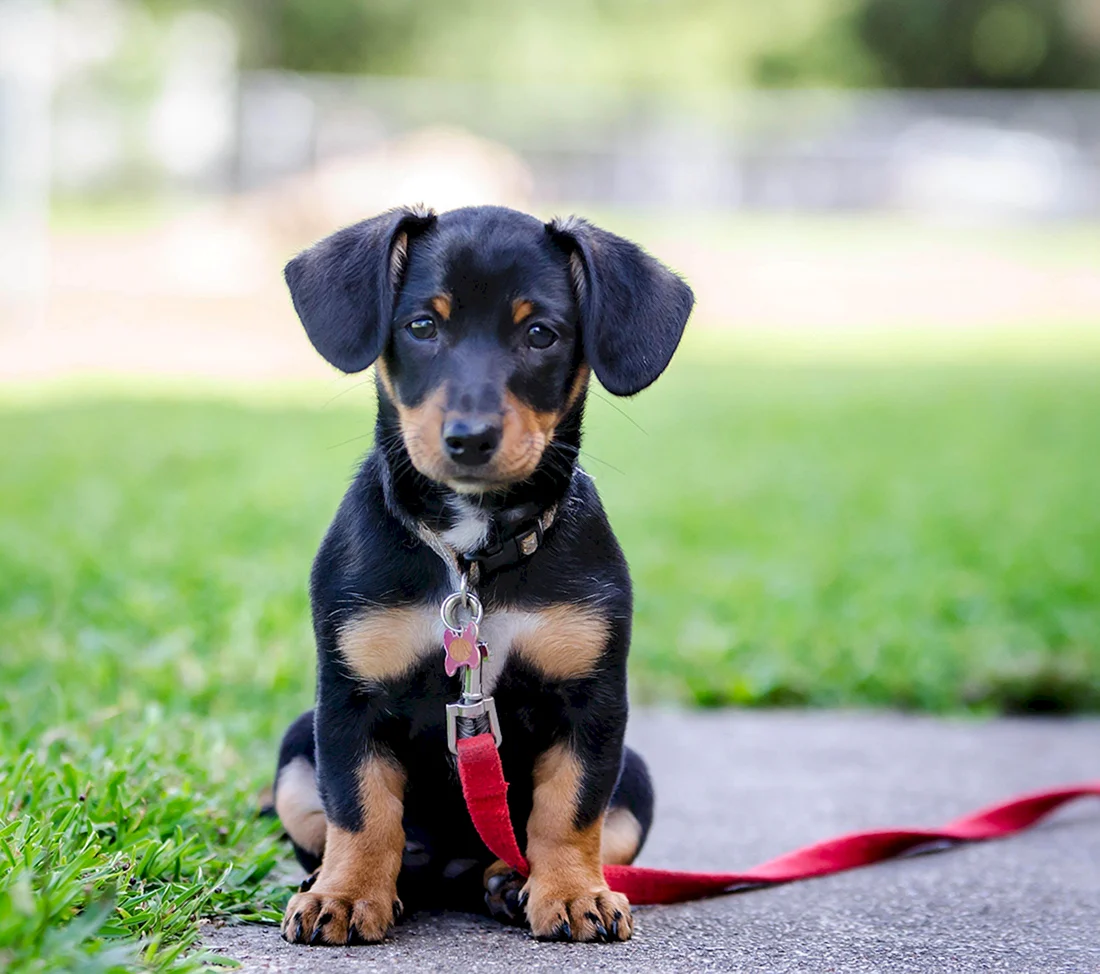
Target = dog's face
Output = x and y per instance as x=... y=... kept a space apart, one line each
x=482 y=361
x=485 y=324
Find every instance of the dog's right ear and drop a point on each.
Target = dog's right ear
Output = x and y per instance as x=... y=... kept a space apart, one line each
x=343 y=288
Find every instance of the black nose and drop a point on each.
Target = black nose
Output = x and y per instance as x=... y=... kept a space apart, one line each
x=470 y=441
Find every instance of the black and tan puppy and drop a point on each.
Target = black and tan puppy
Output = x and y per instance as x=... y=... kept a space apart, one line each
x=484 y=325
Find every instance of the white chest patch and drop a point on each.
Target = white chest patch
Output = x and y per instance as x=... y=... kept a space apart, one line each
x=562 y=642
x=471 y=526
x=499 y=631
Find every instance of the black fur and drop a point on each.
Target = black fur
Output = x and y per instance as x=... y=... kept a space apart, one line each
x=634 y=309
x=343 y=287
x=624 y=319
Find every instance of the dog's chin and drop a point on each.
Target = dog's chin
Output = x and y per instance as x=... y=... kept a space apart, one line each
x=474 y=482
x=487 y=481
x=465 y=480
x=474 y=485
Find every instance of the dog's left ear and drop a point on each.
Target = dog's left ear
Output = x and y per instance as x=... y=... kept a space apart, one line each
x=343 y=287
x=633 y=308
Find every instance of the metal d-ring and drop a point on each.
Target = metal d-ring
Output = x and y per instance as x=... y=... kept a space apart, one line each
x=469 y=601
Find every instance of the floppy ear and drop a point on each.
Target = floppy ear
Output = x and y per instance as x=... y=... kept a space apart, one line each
x=633 y=308
x=343 y=287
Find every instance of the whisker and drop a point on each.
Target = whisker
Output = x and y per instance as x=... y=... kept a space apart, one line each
x=344 y=392
x=589 y=456
x=619 y=409
x=361 y=436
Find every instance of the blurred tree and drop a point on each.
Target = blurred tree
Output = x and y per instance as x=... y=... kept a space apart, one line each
x=660 y=43
x=344 y=36
x=981 y=43
x=652 y=43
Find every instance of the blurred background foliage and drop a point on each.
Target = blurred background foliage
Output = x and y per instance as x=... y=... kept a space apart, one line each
x=905 y=43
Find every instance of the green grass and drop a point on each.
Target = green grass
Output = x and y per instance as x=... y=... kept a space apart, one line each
x=918 y=535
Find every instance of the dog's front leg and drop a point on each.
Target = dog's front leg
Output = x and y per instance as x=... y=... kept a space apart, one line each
x=566 y=895
x=354 y=897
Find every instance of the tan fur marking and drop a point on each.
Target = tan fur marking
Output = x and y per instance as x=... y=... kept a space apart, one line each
x=580 y=279
x=399 y=256
x=566 y=883
x=298 y=805
x=380 y=644
x=580 y=384
x=497 y=868
x=562 y=857
x=421 y=426
x=357 y=883
x=367 y=862
x=521 y=309
x=622 y=834
x=383 y=374
x=564 y=641
x=442 y=305
x=526 y=434
x=422 y=431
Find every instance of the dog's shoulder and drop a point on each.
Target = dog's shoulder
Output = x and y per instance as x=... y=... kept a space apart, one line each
x=580 y=561
x=369 y=556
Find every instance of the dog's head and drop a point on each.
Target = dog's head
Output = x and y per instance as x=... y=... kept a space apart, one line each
x=485 y=324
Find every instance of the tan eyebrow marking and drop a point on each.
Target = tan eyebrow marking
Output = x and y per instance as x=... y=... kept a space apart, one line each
x=442 y=305
x=521 y=308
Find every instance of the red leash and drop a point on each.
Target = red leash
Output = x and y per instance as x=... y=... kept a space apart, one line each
x=485 y=790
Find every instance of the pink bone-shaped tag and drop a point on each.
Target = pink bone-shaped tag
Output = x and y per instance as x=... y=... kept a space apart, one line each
x=462 y=649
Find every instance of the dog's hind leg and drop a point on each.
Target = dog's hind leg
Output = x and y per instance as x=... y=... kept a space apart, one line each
x=626 y=825
x=629 y=814
x=297 y=798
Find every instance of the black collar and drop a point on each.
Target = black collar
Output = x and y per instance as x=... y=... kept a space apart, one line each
x=518 y=534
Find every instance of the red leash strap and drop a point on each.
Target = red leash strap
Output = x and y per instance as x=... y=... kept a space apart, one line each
x=485 y=789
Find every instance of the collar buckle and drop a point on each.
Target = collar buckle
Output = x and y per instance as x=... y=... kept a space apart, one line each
x=510 y=551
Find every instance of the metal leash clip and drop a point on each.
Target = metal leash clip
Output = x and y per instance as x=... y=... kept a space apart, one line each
x=464 y=651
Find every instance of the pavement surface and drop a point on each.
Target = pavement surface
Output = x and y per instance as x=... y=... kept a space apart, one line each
x=735 y=789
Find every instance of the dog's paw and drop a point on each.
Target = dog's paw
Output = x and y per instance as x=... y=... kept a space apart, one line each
x=503 y=890
x=586 y=915
x=321 y=918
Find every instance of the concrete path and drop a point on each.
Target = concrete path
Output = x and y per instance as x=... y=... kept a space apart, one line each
x=734 y=789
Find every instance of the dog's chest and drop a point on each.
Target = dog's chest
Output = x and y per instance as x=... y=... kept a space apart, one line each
x=381 y=645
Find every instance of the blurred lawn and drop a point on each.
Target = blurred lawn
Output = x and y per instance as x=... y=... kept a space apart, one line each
x=918 y=533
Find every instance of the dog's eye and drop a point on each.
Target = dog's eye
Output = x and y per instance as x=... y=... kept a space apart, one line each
x=423 y=329
x=539 y=336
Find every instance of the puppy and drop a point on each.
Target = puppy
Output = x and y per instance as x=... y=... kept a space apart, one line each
x=484 y=326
